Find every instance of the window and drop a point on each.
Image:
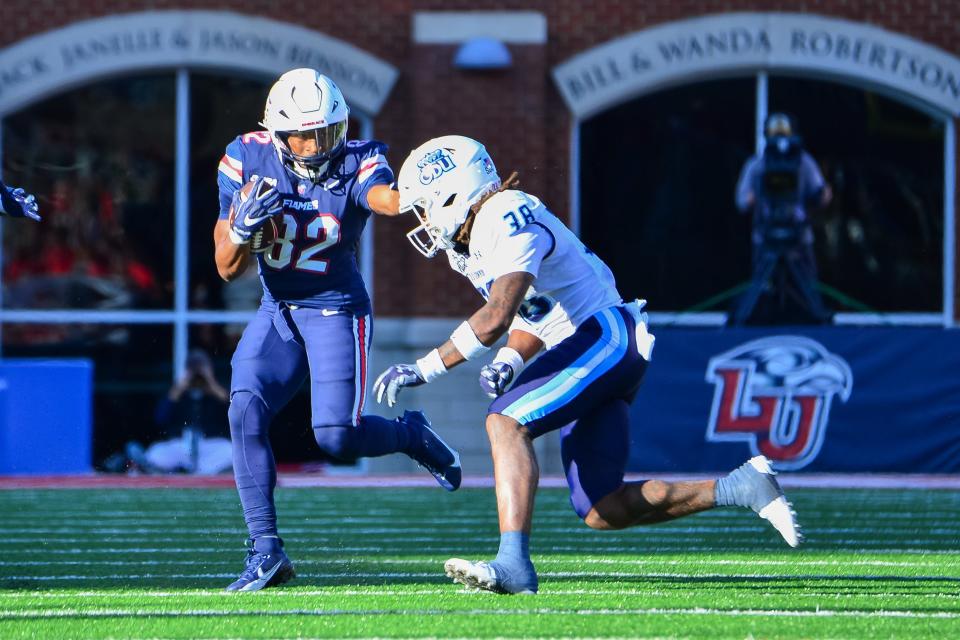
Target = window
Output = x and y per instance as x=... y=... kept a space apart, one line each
x=658 y=176
x=222 y=107
x=100 y=161
x=657 y=191
x=96 y=279
x=880 y=242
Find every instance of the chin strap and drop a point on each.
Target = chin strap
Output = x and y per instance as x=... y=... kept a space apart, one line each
x=315 y=175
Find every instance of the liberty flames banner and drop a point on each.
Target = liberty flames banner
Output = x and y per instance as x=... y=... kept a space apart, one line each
x=824 y=399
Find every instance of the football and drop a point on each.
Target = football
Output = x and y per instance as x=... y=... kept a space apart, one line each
x=264 y=237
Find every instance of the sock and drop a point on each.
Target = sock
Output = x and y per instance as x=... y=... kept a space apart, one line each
x=723 y=494
x=380 y=436
x=515 y=571
x=735 y=488
x=253 y=465
x=268 y=544
x=514 y=548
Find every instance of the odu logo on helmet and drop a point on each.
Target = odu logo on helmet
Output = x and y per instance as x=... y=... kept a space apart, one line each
x=775 y=393
x=435 y=164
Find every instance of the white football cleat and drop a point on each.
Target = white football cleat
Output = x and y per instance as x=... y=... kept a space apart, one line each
x=480 y=575
x=763 y=494
x=473 y=575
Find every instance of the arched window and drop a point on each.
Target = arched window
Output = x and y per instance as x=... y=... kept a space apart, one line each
x=658 y=204
x=664 y=118
x=121 y=147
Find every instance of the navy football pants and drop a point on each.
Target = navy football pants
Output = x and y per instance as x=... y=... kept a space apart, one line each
x=584 y=386
x=279 y=349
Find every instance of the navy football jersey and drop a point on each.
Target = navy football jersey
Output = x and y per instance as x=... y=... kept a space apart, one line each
x=313 y=262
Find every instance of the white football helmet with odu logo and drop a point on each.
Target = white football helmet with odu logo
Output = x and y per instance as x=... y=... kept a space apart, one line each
x=304 y=100
x=438 y=182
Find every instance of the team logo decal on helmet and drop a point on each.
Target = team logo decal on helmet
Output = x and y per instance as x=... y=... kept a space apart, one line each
x=438 y=183
x=775 y=394
x=435 y=164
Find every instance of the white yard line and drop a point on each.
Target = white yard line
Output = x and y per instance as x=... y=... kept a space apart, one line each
x=654 y=611
x=444 y=546
x=435 y=574
x=338 y=592
x=694 y=563
x=291 y=480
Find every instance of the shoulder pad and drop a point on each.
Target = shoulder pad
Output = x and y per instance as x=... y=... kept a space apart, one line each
x=500 y=203
x=255 y=138
x=490 y=224
x=365 y=148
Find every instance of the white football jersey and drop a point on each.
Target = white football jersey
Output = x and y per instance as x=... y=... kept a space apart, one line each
x=515 y=232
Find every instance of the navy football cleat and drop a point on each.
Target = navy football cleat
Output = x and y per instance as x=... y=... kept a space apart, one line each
x=431 y=452
x=263 y=570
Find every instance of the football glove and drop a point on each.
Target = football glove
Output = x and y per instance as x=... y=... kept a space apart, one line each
x=17 y=203
x=252 y=212
x=495 y=378
x=395 y=378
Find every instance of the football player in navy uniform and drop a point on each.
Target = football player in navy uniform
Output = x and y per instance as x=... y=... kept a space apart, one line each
x=318 y=188
x=17 y=203
x=545 y=288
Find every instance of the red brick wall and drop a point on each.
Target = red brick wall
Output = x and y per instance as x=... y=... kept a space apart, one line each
x=517 y=113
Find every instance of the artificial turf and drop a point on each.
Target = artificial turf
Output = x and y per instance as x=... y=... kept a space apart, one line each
x=152 y=563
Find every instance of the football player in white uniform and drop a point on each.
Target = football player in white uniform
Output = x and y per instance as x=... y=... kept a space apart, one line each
x=548 y=290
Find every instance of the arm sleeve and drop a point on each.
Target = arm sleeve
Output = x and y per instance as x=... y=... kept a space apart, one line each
x=373 y=169
x=745 y=184
x=229 y=176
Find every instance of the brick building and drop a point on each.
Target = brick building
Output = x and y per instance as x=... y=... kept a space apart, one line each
x=630 y=120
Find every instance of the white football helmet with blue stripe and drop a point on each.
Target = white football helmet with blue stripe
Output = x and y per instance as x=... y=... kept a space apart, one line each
x=439 y=181
x=306 y=101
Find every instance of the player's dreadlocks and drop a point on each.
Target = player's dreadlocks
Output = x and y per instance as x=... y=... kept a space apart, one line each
x=462 y=239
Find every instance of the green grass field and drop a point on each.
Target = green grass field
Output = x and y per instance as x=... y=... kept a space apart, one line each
x=151 y=563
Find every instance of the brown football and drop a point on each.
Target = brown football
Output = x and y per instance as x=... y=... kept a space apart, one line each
x=264 y=237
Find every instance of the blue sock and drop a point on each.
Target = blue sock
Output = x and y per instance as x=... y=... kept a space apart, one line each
x=515 y=572
x=372 y=437
x=723 y=493
x=514 y=548
x=268 y=544
x=380 y=436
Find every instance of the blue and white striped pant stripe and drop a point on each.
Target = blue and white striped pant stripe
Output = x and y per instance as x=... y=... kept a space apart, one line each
x=602 y=356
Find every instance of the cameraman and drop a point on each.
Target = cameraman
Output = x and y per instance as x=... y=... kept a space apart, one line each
x=778 y=186
x=196 y=406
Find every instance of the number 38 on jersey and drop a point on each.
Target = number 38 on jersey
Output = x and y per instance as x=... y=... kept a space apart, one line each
x=519 y=218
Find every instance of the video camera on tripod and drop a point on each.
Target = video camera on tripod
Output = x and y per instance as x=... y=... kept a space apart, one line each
x=779 y=214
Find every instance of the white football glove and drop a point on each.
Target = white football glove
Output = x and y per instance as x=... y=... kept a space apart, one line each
x=395 y=378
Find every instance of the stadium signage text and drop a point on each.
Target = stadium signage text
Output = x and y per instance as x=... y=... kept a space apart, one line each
x=738 y=43
x=84 y=51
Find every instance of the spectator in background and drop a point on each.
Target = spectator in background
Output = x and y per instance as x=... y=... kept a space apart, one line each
x=196 y=409
x=778 y=186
